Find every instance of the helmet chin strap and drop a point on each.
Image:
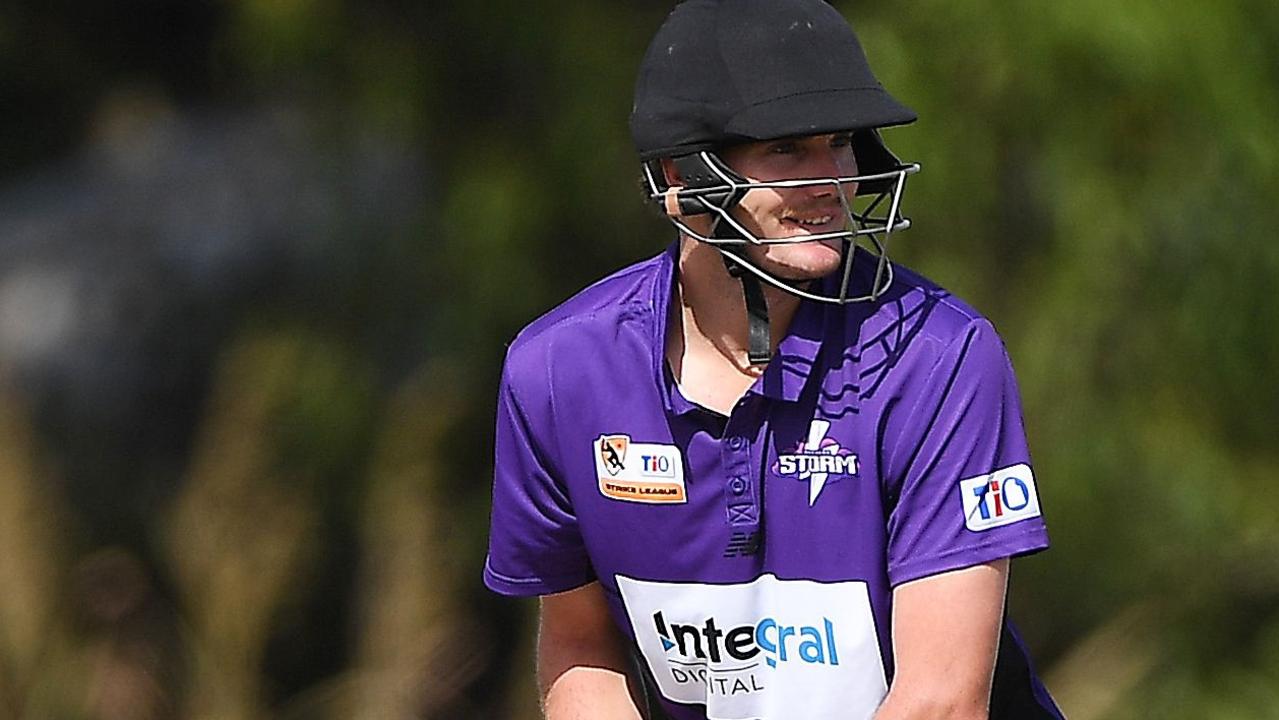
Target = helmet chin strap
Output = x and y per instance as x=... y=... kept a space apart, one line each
x=760 y=347
x=760 y=350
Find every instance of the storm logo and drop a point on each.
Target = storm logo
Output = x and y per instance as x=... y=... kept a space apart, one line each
x=817 y=460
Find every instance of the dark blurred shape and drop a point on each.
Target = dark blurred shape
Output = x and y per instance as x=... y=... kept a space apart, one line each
x=59 y=58
x=125 y=268
x=133 y=660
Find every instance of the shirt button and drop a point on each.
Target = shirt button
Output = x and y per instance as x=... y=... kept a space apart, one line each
x=738 y=486
x=735 y=443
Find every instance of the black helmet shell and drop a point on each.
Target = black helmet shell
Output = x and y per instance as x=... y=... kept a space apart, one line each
x=720 y=72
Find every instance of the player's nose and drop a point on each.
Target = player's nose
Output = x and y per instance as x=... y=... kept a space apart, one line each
x=827 y=161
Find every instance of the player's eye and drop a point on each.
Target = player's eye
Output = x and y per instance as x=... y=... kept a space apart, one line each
x=785 y=147
x=841 y=140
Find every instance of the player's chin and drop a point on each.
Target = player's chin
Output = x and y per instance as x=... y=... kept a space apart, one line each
x=810 y=261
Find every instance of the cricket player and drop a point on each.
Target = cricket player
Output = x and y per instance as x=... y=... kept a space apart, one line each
x=767 y=474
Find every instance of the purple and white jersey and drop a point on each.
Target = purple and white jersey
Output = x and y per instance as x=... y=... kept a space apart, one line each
x=751 y=558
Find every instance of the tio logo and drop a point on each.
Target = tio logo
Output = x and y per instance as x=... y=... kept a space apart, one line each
x=1000 y=498
x=657 y=465
x=997 y=498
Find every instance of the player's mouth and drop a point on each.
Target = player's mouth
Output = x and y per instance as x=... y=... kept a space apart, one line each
x=815 y=222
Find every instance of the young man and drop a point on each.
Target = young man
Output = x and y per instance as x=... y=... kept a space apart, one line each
x=766 y=474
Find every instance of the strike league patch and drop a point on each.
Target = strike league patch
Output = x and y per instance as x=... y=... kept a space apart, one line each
x=639 y=472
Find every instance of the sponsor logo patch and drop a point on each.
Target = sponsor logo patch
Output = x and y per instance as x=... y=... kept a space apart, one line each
x=767 y=648
x=817 y=460
x=1001 y=498
x=639 y=472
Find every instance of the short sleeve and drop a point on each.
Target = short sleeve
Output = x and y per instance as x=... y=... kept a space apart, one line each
x=535 y=546
x=959 y=475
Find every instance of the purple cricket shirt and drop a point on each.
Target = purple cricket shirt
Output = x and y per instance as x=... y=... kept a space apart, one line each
x=751 y=559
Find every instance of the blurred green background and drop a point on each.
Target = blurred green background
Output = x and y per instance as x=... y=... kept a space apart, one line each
x=259 y=260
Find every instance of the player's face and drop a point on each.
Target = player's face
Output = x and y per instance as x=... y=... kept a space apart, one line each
x=795 y=212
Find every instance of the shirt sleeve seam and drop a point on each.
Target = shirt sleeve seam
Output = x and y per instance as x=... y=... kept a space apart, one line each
x=967 y=338
x=535 y=443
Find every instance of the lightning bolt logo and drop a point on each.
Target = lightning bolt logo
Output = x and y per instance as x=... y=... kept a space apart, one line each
x=816 y=480
x=817 y=460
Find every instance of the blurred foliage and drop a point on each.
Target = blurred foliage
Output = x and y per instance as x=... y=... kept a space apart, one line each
x=272 y=500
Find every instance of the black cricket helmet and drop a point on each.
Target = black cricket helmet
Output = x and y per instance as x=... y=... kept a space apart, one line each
x=724 y=72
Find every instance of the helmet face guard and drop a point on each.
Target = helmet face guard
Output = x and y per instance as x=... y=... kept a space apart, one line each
x=714 y=189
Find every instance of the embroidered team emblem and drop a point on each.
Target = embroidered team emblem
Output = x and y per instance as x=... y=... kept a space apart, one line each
x=613 y=452
x=639 y=472
x=817 y=460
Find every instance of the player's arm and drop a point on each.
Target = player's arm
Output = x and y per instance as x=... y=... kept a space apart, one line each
x=581 y=664
x=945 y=638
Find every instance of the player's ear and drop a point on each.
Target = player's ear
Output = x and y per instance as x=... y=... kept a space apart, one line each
x=670 y=173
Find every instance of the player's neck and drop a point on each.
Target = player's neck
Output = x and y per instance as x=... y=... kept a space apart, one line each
x=708 y=334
